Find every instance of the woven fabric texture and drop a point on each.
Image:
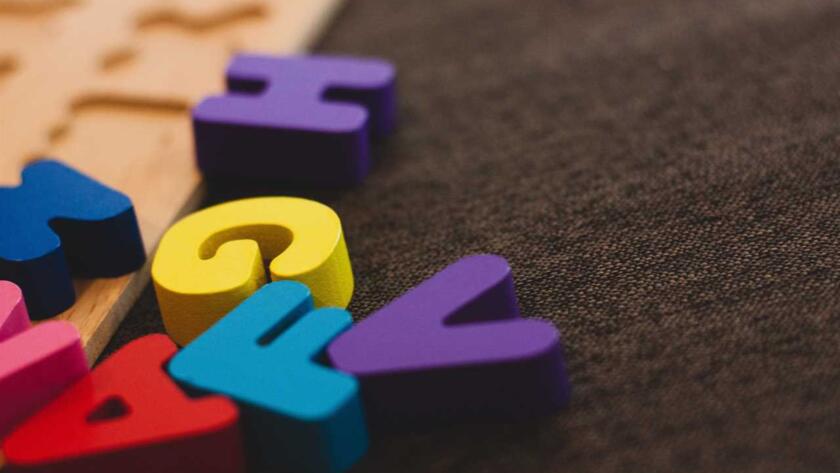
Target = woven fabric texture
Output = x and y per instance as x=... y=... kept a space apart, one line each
x=663 y=178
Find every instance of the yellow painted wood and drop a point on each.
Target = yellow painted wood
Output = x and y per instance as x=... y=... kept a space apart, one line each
x=212 y=260
x=106 y=86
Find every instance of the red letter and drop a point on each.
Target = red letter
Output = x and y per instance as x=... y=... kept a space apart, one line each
x=128 y=416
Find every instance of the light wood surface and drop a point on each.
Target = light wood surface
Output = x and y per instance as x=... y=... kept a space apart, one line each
x=106 y=86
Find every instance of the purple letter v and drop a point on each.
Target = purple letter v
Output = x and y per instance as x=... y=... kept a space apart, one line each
x=455 y=346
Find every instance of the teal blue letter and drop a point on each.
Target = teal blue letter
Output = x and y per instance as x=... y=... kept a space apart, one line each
x=297 y=414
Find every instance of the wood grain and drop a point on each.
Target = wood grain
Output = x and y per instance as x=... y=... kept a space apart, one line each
x=106 y=86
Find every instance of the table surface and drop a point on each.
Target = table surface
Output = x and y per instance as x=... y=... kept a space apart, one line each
x=663 y=177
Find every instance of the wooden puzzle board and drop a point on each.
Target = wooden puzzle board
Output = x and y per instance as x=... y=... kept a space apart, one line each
x=107 y=85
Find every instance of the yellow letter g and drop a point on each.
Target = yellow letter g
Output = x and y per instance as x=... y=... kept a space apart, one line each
x=212 y=260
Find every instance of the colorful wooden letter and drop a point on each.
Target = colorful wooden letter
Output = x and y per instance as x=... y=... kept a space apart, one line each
x=297 y=414
x=212 y=260
x=304 y=120
x=128 y=416
x=59 y=222
x=455 y=346
x=36 y=364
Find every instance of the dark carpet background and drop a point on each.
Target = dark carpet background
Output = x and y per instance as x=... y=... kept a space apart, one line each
x=662 y=177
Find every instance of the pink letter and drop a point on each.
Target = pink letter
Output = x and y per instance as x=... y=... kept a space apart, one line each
x=36 y=364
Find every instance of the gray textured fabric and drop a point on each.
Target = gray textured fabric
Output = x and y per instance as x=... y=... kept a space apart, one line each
x=663 y=178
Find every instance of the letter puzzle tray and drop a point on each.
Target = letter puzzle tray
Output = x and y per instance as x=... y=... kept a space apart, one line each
x=106 y=87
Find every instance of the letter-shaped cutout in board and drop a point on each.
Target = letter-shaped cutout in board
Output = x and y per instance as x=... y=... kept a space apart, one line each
x=210 y=261
x=455 y=346
x=129 y=416
x=59 y=223
x=298 y=415
x=300 y=119
x=37 y=363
